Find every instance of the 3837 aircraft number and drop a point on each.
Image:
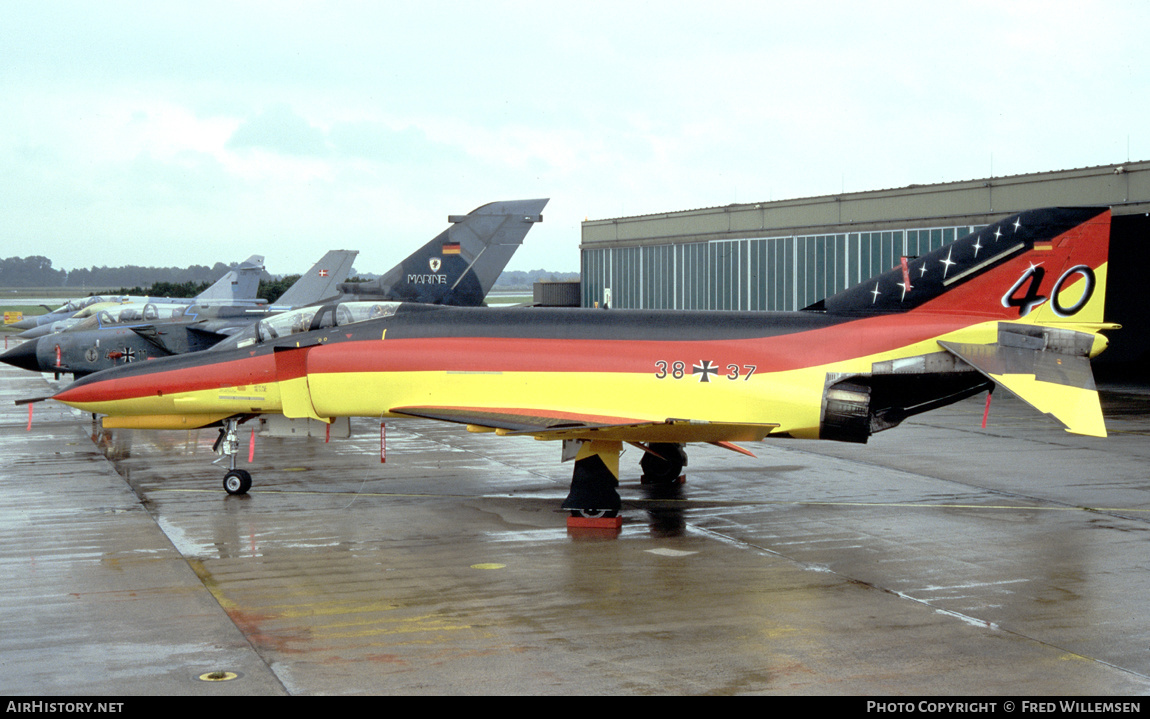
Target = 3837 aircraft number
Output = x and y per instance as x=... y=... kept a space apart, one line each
x=705 y=369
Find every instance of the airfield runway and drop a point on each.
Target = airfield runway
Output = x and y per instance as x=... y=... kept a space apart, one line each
x=940 y=559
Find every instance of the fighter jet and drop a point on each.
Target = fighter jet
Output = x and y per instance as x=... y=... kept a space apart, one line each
x=1017 y=305
x=128 y=333
x=62 y=312
x=459 y=266
x=238 y=285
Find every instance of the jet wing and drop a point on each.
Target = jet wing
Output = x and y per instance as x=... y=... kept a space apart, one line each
x=544 y=424
x=1055 y=383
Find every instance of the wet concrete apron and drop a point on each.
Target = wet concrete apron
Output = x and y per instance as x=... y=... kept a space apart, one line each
x=941 y=558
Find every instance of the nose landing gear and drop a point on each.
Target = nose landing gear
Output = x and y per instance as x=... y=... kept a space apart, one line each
x=236 y=481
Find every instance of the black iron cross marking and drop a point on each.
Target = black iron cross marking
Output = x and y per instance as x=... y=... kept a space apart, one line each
x=706 y=369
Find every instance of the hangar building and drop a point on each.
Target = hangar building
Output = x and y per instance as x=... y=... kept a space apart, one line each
x=788 y=254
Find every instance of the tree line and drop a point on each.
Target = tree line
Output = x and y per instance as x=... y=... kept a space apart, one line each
x=523 y=280
x=269 y=289
x=37 y=271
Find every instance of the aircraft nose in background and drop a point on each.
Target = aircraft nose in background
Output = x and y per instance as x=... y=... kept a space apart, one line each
x=23 y=356
x=36 y=332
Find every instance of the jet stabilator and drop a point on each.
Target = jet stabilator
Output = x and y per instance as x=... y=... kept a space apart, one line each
x=1018 y=304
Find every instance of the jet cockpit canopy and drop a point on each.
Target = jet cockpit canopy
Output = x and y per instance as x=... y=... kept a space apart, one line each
x=308 y=319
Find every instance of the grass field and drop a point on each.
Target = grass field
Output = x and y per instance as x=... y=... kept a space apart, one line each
x=11 y=298
x=62 y=293
x=509 y=299
x=28 y=310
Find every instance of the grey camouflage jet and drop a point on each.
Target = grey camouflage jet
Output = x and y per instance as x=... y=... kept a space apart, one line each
x=239 y=285
x=116 y=335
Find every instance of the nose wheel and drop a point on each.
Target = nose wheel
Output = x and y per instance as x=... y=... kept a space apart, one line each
x=236 y=481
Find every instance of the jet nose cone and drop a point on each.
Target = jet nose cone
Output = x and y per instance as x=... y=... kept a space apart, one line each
x=38 y=331
x=25 y=324
x=23 y=356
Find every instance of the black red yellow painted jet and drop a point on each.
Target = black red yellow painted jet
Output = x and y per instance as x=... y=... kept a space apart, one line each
x=1019 y=304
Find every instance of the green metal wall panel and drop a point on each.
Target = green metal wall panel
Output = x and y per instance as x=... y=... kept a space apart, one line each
x=759 y=274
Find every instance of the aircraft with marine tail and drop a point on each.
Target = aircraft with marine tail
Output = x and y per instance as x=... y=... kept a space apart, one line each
x=459 y=266
x=1019 y=304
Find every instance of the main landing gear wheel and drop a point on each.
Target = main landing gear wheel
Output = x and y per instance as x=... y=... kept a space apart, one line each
x=237 y=481
x=667 y=467
x=593 y=482
x=595 y=513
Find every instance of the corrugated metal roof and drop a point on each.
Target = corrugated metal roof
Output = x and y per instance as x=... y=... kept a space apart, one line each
x=1135 y=166
x=1124 y=186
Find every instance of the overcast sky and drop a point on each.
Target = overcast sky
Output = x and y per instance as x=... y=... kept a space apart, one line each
x=171 y=133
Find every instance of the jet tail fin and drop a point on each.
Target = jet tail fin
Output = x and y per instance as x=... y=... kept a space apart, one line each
x=462 y=263
x=1041 y=275
x=321 y=281
x=1046 y=265
x=242 y=282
